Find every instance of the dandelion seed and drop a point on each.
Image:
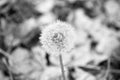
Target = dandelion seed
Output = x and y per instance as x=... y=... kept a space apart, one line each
x=58 y=38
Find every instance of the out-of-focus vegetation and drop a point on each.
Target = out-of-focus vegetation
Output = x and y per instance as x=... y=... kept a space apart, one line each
x=95 y=55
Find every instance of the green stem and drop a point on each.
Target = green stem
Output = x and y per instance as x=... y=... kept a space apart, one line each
x=62 y=67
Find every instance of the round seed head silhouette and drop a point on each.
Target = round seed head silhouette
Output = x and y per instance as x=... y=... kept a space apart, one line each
x=58 y=38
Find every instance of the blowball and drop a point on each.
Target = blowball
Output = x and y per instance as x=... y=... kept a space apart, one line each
x=58 y=38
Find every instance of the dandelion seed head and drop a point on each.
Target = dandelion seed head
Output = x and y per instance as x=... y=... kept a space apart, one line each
x=58 y=37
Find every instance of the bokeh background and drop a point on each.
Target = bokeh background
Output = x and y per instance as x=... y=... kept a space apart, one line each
x=95 y=55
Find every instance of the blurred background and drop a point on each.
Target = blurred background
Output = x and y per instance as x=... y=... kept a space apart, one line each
x=95 y=55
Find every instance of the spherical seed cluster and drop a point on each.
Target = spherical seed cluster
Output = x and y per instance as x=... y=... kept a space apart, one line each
x=58 y=38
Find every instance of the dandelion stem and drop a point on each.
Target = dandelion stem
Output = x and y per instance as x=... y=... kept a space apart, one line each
x=62 y=67
x=108 y=68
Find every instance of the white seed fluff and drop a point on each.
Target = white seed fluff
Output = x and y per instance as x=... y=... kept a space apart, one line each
x=58 y=38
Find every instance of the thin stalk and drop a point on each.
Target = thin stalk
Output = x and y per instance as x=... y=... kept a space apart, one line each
x=108 y=68
x=62 y=67
x=4 y=53
x=9 y=71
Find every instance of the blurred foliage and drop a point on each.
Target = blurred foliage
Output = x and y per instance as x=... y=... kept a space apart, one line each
x=96 y=23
